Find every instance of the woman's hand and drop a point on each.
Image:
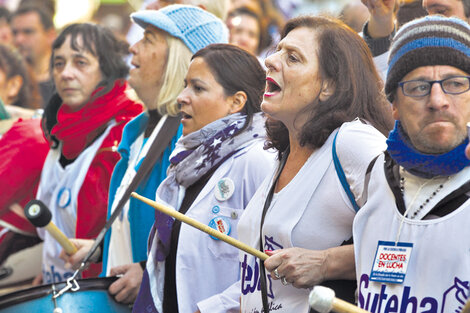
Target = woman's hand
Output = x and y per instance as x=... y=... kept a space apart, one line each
x=83 y=246
x=301 y=267
x=126 y=288
x=305 y=268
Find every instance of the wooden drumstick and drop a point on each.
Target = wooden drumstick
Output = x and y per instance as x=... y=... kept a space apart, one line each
x=323 y=300
x=40 y=216
x=466 y=309
x=211 y=231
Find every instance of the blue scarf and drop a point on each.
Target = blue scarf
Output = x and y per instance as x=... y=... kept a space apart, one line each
x=424 y=165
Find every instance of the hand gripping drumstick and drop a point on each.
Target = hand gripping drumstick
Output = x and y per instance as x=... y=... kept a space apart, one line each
x=190 y=221
x=40 y=216
x=322 y=299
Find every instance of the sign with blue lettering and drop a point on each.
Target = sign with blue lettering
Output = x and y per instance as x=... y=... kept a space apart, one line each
x=391 y=261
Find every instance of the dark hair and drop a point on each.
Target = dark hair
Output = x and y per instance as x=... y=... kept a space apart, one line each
x=466 y=7
x=345 y=59
x=236 y=70
x=100 y=42
x=409 y=11
x=45 y=16
x=5 y=14
x=263 y=37
x=12 y=64
x=48 y=5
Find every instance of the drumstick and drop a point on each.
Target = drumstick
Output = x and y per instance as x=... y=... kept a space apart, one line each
x=40 y=216
x=323 y=300
x=211 y=231
x=466 y=309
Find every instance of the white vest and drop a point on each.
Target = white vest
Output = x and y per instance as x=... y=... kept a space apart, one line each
x=277 y=230
x=58 y=189
x=120 y=245
x=438 y=274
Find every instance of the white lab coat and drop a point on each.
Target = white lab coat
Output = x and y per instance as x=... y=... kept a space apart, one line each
x=207 y=270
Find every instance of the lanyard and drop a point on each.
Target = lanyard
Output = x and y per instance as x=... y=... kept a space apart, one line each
x=267 y=203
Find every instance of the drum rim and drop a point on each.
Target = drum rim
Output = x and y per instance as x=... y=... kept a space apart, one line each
x=28 y=294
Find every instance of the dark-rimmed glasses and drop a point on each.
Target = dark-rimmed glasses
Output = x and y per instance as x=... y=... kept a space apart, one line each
x=419 y=88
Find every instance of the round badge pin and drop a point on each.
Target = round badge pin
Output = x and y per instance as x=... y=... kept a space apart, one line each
x=224 y=189
x=64 y=197
x=216 y=209
x=221 y=224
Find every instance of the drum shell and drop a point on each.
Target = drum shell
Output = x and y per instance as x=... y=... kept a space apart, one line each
x=92 y=297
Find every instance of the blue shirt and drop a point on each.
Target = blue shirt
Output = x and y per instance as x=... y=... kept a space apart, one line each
x=141 y=216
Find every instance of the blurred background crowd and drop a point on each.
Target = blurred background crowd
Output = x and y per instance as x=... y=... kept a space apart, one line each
x=26 y=33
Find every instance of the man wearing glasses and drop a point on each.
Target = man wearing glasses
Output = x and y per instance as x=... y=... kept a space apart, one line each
x=412 y=237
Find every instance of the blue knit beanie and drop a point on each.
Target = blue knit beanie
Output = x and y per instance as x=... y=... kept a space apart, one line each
x=431 y=40
x=195 y=27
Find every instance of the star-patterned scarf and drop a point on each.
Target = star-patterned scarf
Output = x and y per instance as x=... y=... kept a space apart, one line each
x=193 y=156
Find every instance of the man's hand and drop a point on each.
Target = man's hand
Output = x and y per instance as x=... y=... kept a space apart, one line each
x=382 y=17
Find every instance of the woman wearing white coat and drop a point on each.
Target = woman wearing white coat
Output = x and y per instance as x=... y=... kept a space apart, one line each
x=215 y=169
x=319 y=80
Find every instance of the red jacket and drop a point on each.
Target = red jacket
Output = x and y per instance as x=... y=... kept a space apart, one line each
x=23 y=150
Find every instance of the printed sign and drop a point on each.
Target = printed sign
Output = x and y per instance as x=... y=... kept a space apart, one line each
x=391 y=262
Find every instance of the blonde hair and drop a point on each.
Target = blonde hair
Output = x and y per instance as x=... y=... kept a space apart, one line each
x=217 y=7
x=179 y=57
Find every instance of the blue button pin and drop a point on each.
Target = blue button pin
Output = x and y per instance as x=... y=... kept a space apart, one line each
x=216 y=209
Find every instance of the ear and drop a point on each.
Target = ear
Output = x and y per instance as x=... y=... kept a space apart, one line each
x=51 y=35
x=327 y=89
x=13 y=87
x=395 y=112
x=238 y=101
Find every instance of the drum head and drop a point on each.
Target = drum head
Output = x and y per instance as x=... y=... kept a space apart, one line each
x=92 y=297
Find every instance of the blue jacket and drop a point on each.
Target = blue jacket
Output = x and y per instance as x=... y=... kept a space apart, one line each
x=141 y=216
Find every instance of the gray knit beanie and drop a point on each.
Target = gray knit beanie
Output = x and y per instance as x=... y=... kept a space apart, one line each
x=431 y=40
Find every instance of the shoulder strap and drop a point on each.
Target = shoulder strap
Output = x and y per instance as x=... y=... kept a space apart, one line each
x=365 y=189
x=342 y=176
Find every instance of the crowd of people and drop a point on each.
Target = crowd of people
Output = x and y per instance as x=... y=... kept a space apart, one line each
x=340 y=152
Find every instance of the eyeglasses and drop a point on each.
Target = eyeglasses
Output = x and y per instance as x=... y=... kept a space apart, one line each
x=419 y=88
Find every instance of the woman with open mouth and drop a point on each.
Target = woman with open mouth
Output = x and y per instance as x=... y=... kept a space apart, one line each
x=320 y=80
x=216 y=167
